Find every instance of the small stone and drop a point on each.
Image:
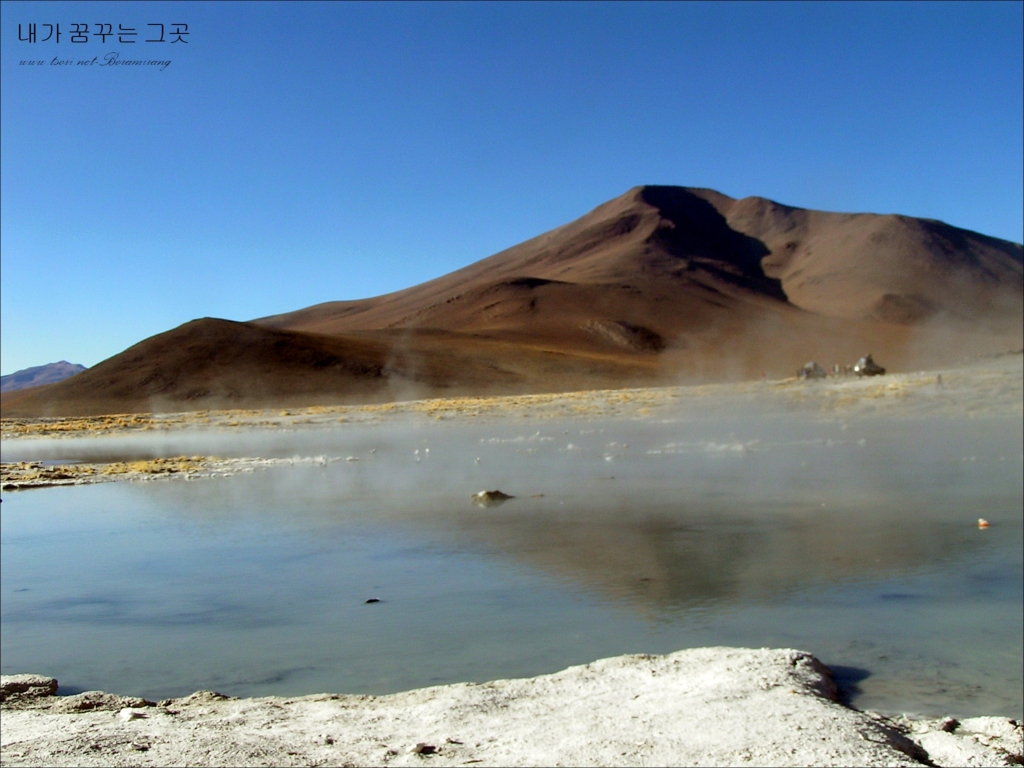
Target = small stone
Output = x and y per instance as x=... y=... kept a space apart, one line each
x=424 y=749
x=139 y=746
x=127 y=714
x=203 y=697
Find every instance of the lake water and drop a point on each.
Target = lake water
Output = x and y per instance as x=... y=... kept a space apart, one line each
x=857 y=542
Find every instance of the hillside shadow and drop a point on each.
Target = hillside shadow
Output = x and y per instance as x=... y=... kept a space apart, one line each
x=701 y=232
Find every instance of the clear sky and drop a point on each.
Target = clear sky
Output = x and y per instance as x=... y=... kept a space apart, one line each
x=297 y=153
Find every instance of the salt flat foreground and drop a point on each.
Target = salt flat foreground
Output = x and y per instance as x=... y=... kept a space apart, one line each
x=704 y=706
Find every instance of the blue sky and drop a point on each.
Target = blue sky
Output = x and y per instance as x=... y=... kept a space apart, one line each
x=298 y=153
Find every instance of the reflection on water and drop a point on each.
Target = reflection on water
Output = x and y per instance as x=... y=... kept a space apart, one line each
x=857 y=542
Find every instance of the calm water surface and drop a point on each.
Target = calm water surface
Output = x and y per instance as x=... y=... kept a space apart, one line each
x=856 y=542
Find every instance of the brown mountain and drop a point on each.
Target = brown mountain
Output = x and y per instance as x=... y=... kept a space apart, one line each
x=660 y=285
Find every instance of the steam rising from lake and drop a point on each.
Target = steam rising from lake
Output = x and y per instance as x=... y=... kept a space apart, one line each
x=857 y=541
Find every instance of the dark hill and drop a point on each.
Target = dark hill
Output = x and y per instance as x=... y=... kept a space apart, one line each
x=212 y=363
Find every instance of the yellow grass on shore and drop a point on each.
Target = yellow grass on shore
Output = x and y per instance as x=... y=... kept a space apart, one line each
x=995 y=385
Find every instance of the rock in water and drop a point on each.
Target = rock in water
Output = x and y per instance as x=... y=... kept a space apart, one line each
x=490 y=498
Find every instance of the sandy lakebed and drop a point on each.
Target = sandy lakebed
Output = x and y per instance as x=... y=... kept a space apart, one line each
x=701 y=706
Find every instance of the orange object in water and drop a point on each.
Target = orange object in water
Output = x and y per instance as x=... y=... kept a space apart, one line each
x=982 y=522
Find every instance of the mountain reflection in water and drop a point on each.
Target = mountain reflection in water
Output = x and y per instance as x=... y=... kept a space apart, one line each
x=857 y=542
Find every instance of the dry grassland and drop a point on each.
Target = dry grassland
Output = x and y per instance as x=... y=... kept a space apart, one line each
x=993 y=386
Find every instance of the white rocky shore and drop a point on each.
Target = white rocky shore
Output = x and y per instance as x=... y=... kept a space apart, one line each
x=705 y=706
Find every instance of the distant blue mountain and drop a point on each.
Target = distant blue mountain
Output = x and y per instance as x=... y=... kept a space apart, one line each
x=40 y=375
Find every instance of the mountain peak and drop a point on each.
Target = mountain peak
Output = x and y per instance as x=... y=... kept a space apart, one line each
x=661 y=284
x=39 y=375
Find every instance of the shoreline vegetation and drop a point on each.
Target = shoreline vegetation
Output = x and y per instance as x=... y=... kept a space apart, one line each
x=989 y=386
x=22 y=475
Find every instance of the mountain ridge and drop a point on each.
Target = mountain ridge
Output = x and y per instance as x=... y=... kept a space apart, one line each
x=659 y=285
x=39 y=375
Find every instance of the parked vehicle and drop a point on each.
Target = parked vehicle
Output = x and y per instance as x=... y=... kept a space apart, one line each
x=868 y=367
x=812 y=370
